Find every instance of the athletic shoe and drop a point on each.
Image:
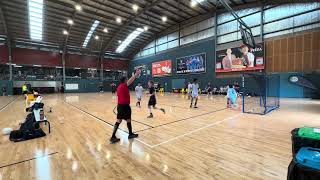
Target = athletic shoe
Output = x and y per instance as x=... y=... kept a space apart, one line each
x=114 y=140
x=195 y=107
x=131 y=136
x=163 y=110
x=150 y=116
x=190 y=105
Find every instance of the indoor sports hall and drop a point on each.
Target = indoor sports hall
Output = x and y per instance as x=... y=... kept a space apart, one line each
x=159 y=89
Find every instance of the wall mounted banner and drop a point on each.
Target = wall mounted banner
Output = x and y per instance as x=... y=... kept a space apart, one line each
x=162 y=68
x=191 y=64
x=240 y=59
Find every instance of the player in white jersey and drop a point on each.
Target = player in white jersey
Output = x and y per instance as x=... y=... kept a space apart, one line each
x=195 y=93
x=139 y=90
x=189 y=90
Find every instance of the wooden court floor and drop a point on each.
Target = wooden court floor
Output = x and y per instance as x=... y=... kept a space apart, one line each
x=210 y=142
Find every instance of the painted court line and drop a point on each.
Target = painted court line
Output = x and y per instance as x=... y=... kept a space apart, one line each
x=114 y=112
x=93 y=116
x=172 y=139
x=196 y=130
x=137 y=139
x=186 y=107
x=183 y=119
x=5 y=106
x=26 y=160
x=181 y=107
x=100 y=119
x=84 y=112
x=87 y=113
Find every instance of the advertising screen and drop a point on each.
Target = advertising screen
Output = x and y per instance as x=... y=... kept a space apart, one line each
x=191 y=64
x=162 y=68
x=240 y=59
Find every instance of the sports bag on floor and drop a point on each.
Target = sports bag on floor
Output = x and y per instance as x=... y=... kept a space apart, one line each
x=28 y=130
x=18 y=135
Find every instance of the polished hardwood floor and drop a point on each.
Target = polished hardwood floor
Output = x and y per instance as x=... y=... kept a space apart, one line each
x=210 y=142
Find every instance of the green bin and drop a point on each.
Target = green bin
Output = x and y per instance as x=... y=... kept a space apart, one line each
x=309 y=132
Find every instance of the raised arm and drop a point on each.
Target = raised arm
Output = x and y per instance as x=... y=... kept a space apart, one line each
x=133 y=77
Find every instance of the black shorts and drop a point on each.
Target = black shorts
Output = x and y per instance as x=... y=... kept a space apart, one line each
x=24 y=92
x=124 y=111
x=152 y=101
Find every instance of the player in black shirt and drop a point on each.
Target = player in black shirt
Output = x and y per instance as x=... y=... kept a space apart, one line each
x=152 y=100
x=113 y=87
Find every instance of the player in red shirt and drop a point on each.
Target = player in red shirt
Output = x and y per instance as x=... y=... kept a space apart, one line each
x=123 y=108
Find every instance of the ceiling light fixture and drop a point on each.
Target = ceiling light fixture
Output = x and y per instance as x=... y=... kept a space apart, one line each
x=65 y=32
x=129 y=39
x=78 y=7
x=145 y=28
x=88 y=37
x=135 y=7
x=164 y=18
x=118 y=20
x=70 y=21
x=105 y=30
x=96 y=37
x=35 y=8
x=193 y=3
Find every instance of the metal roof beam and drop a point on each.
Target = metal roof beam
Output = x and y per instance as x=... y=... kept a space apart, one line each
x=147 y=8
x=180 y=9
x=65 y=42
x=122 y=11
x=3 y=20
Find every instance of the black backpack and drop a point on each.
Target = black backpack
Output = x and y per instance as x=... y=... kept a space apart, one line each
x=29 y=124
x=30 y=129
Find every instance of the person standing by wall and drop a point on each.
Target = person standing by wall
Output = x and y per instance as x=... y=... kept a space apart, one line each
x=62 y=88
x=101 y=86
x=24 y=88
x=113 y=88
x=4 y=91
